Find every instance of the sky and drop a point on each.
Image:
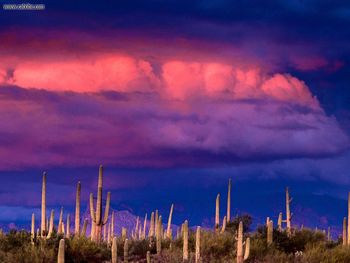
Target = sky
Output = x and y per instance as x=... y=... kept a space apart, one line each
x=174 y=98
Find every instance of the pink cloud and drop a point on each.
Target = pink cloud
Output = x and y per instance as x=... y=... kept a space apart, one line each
x=306 y=63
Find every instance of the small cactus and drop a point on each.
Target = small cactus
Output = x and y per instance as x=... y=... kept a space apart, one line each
x=198 y=244
x=148 y=257
x=217 y=212
x=83 y=232
x=68 y=227
x=223 y=228
x=185 y=241
x=151 y=227
x=60 y=256
x=144 y=227
x=124 y=233
x=60 y=222
x=51 y=224
x=270 y=232
x=279 y=222
x=288 y=213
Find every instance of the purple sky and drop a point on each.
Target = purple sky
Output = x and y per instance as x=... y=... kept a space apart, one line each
x=172 y=96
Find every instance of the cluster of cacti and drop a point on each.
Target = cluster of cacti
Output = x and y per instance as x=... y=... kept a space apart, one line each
x=102 y=230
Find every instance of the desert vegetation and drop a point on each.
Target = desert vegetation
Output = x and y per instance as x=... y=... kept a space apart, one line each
x=231 y=239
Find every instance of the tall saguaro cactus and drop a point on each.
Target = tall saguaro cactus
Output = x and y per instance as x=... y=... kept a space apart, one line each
x=288 y=213
x=198 y=244
x=43 y=205
x=77 y=210
x=228 y=215
x=96 y=214
x=185 y=241
x=168 y=232
x=217 y=212
x=240 y=256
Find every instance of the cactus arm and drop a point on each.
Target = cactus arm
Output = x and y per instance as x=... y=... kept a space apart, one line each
x=92 y=211
x=247 y=249
x=105 y=219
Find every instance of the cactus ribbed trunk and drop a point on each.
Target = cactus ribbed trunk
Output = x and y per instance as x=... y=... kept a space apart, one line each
x=329 y=234
x=168 y=233
x=240 y=243
x=43 y=206
x=217 y=212
x=77 y=210
x=114 y=250
x=60 y=256
x=344 y=232
x=228 y=215
x=126 y=251
x=198 y=244
x=185 y=241
x=32 y=229
x=96 y=213
x=288 y=214
x=159 y=236
x=270 y=232
x=148 y=257
x=68 y=226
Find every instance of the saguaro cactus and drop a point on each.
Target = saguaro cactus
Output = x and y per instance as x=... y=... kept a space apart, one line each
x=60 y=256
x=83 y=232
x=344 y=232
x=168 y=232
x=240 y=256
x=288 y=213
x=126 y=251
x=198 y=244
x=124 y=233
x=43 y=205
x=279 y=221
x=32 y=229
x=112 y=225
x=148 y=257
x=217 y=212
x=68 y=226
x=270 y=232
x=185 y=241
x=228 y=215
x=114 y=250
x=51 y=223
x=60 y=222
x=77 y=210
x=159 y=236
x=151 y=227
x=224 y=221
x=144 y=227
x=96 y=214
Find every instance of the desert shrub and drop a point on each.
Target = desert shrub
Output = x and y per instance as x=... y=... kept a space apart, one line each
x=232 y=226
